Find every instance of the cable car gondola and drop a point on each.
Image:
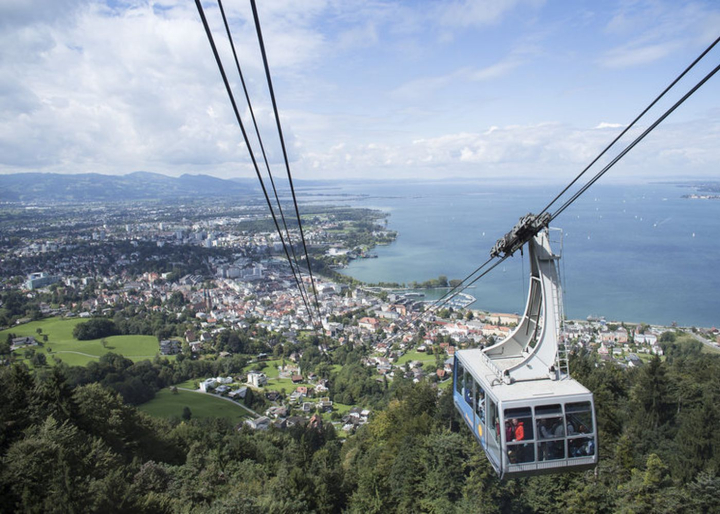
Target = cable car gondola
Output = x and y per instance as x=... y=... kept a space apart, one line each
x=517 y=396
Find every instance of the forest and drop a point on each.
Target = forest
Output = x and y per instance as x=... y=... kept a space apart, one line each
x=70 y=443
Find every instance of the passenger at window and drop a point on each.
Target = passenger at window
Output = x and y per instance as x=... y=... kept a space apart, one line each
x=518 y=429
x=544 y=429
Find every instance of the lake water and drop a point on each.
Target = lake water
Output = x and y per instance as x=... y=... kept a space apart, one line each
x=638 y=253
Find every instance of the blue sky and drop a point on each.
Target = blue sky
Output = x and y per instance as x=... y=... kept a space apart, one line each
x=494 y=89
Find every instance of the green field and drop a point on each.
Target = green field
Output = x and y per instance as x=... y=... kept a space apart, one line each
x=414 y=355
x=166 y=405
x=63 y=345
x=190 y=384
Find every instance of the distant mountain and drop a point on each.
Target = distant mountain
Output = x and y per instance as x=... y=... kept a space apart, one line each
x=140 y=185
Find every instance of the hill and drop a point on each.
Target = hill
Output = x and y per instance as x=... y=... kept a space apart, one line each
x=140 y=185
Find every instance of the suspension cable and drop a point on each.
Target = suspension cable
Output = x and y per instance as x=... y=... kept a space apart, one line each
x=635 y=142
x=282 y=144
x=244 y=133
x=657 y=99
x=298 y=281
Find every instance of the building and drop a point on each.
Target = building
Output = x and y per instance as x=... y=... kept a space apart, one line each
x=257 y=379
x=169 y=347
x=40 y=279
x=22 y=342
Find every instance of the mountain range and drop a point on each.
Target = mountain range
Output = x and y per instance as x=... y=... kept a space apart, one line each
x=95 y=187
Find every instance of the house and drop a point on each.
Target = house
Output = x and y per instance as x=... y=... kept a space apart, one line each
x=633 y=361
x=257 y=379
x=295 y=420
x=169 y=347
x=296 y=379
x=272 y=396
x=208 y=385
x=325 y=404
x=261 y=423
x=238 y=394
x=657 y=349
x=22 y=342
x=223 y=389
x=277 y=412
x=368 y=324
x=315 y=421
x=296 y=397
x=649 y=339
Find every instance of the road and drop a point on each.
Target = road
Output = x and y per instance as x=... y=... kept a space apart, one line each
x=704 y=341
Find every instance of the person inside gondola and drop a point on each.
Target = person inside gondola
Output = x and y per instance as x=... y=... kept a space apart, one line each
x=517 y=453
x=544 y=429
x=545 y=432
x=518 y=429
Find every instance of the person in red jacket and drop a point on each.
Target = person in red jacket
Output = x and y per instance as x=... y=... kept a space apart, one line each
x=518 y=429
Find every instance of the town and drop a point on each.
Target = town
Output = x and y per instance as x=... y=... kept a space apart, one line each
x=224 y=292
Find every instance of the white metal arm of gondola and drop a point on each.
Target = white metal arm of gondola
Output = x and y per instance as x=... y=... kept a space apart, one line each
x=530 y=352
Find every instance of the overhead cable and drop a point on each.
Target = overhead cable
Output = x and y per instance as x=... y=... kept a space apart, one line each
x=244 y=133
x=635 y=142
x=299 y=282
x=282 y=144
x=657 y=99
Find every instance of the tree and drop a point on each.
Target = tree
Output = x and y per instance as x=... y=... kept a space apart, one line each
x=186 y=413
x=95 y=329
x=39 y=360
x=651 y=394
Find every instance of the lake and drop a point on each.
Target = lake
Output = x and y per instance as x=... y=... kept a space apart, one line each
x=638 y=253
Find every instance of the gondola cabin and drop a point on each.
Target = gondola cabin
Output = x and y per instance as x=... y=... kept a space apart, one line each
x=517 y=396
x=527 y=427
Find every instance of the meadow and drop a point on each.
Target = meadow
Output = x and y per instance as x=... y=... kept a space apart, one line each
x=61 y=343
x=167 y=404
x=414 y=355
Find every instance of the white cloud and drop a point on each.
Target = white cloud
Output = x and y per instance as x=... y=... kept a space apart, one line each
x=147 y=97
x=467 y=13
x=631 y=55
x=557 y=151
x=653 y=30
x=424 y=87
x=87 y=86
x=604 y=125
x=494 y=71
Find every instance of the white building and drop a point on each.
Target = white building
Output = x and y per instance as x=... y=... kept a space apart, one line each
x=257 y=379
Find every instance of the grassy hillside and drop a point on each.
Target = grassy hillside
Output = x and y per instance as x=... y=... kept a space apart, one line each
x=166 y=405
x=64 y=346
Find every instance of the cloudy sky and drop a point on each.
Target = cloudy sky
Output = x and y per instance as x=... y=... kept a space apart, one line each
x=500 y=89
